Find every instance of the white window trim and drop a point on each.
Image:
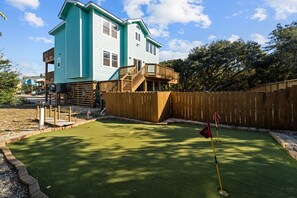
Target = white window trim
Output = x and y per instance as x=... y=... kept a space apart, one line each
x=110 y=30
x=149 y=48
x=110 y=58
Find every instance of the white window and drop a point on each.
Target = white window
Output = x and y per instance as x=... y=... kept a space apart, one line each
x=58 y=62
x=114 y=60
x=106 y=58
x=114 y=30
x=137 y=36
x=110 y=28
x=151 y=48
x=147 y=46
x=106 y=27
x=110 y=59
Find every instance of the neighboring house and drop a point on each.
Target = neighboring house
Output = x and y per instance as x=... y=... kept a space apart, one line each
x=33 y=82
x=93 y=45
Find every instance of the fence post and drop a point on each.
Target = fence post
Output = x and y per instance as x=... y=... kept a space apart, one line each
x=59 y=115
x=55 y=117
x=37 y=112
x=50 y=111
x=69 y=117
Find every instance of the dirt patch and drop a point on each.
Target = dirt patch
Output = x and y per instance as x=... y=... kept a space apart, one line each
x=23 y=118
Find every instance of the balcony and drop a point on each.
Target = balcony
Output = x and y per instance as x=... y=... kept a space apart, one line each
x=49 y=77
x=48 y=56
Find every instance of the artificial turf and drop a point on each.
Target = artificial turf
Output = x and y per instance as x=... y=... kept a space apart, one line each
x=118 y=159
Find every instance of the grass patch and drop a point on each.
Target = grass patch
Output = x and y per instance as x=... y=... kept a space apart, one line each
x=118 y=159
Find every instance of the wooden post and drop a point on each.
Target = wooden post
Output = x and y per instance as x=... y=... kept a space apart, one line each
x=59 y=115
x=50 y=111
x=46 y=85
x=122 y=85
x=145 y=85
x=37 y=112
x=69 y=117
x=55 y=117
x=153 y=85
x=44 y=114
x=159 y=85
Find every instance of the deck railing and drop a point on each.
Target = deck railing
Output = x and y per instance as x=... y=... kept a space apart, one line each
x=50 y=77
x=160 y=71
x=48 y=56
x=130 y=70
x=130 y=79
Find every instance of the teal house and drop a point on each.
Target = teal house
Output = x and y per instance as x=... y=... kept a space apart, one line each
x=93 y=45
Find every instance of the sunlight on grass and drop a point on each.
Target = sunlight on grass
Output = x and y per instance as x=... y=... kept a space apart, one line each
x=113 y=158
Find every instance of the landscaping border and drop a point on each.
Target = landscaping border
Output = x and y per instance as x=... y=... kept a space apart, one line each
x=286 y=144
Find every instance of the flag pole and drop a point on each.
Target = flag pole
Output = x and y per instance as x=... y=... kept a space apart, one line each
x=216 y=118
x=221 y=190
x=217 y=131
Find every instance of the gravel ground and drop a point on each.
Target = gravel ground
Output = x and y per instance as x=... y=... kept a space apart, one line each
x=10 y=185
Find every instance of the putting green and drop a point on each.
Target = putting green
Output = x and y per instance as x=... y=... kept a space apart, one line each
x=118 y=159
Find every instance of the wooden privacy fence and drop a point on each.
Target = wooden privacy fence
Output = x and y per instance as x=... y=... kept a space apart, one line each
x=270 y=87
x=272 y=110
x=149 y=106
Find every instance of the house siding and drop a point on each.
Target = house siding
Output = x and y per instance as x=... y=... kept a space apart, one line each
x=102 y=41
x=137 y=49
x=73 y=39
x=60 y=53
x=80 y=43
x=85 y=43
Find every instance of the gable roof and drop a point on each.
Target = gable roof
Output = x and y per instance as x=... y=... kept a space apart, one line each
x=89 y=6
x=140 y=22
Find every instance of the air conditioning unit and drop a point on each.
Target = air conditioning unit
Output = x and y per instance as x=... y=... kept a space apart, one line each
x=61 y=87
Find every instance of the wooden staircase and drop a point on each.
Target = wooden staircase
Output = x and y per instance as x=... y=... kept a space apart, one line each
x=130 y=79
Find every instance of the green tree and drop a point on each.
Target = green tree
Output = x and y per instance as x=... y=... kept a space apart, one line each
x=282 y=46
x=8 y=81
x=224 y=65
x=3 y=16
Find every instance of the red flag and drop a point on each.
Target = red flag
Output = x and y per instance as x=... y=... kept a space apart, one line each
x=206 y=132
x=216 y=116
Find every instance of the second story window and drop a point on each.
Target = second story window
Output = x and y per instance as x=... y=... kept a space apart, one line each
x=137 y=36
x=106 y=27
x=150 y=48
x=110 y=28
x=114 y=30
x=106 y=58
x=147 y=46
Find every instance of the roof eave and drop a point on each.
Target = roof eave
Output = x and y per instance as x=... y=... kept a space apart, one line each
x=60 y=15
x=153 y=41
x=116 y=19
x=52 y=32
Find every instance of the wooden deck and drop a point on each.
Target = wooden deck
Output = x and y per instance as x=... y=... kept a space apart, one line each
x=60 y=123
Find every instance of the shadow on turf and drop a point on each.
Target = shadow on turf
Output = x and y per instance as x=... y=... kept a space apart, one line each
x=173 y=162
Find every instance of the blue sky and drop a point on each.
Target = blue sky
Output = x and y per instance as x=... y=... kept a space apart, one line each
x=179 y=25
